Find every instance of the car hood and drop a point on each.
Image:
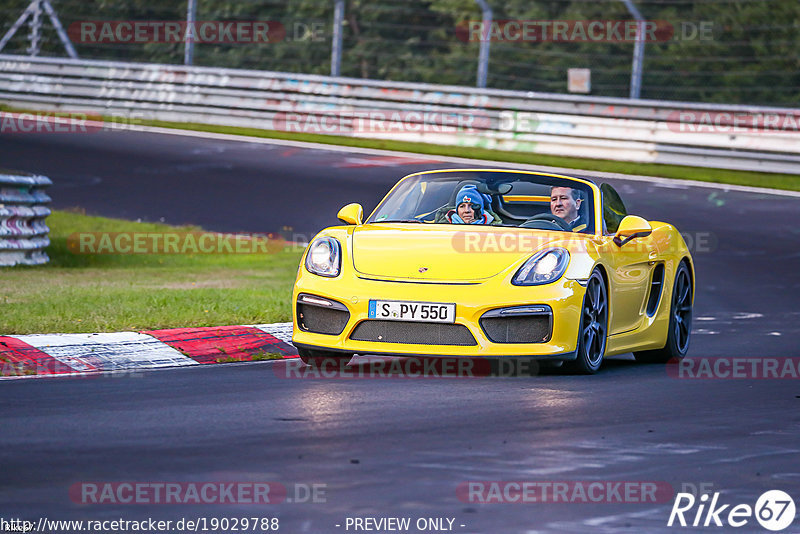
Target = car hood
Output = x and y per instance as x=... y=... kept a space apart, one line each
x=442 y=252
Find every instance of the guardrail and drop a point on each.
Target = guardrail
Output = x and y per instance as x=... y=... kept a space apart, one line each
x=707 y=135
x=23 y=231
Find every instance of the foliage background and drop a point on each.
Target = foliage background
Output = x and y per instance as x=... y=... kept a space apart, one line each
x=753 y=57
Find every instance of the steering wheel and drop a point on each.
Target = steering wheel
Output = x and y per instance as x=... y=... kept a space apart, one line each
x=548 y=218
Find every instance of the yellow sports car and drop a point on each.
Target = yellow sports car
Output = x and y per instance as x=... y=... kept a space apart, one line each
x=495 y=263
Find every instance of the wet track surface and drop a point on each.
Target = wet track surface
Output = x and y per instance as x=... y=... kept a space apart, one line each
x=401 y=447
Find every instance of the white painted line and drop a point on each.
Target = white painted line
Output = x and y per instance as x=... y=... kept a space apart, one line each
x=465 y=161
x=108 y=352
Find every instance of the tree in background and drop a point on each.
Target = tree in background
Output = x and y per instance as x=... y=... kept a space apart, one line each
x=750 y=55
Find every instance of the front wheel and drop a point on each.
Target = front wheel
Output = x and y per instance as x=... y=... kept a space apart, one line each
x=593 y=327
x=680 y=322
x=318 y=358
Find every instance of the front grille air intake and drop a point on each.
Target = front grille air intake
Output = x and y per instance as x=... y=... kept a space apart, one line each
x=415 y=333
x=321 y=316
x=521 y=324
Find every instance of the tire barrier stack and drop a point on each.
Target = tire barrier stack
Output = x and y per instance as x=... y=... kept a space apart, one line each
x=23 y=231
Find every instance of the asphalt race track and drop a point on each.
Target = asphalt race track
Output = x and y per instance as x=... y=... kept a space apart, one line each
x=395 y=447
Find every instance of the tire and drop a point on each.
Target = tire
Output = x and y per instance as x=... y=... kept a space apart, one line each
x=593 y=331
x=318 y=358
x=680 y=322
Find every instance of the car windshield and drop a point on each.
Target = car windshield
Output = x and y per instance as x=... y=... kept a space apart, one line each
x=499 y=198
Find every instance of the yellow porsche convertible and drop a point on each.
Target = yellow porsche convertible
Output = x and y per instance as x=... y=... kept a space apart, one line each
x=495 y=263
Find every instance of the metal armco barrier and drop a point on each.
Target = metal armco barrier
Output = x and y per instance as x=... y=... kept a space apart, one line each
x=706 y=135
x=23 y=232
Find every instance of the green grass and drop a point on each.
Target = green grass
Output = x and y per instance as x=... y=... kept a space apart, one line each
x=106 y=293
x=259 y=356
x=757 y=179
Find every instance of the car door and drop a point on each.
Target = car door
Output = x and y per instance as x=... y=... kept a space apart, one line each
x=630 y=270
x=630 y=266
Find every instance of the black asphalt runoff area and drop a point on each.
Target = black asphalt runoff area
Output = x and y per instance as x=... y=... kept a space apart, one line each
x=402 y=447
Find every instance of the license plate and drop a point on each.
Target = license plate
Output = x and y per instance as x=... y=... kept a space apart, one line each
x=428 y=312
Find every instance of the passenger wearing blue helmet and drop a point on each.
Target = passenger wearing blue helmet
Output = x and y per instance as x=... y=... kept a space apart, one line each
x=470 y=207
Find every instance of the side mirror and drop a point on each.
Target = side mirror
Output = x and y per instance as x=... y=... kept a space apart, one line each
x=351 y=214
x=631 y=227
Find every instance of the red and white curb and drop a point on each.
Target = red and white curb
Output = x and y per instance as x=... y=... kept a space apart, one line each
x=64 y=354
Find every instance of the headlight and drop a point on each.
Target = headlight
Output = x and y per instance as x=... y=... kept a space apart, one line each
x=324 y=257
x=542 y=268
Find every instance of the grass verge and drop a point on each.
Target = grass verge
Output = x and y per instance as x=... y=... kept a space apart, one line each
x=113 y=292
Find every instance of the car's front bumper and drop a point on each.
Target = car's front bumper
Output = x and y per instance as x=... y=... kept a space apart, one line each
x=563 y=297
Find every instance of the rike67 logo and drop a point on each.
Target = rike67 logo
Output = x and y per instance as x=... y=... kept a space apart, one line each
x=774 y=510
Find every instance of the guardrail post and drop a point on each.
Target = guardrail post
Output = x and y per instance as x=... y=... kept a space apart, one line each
x=191 y=16
x=483 y=54
x=336 y=45
x=23 y=232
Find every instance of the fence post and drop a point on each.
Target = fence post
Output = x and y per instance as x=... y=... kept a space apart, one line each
x=336 y=53
x=483 y=54
x=638 y=50
x=191 y=16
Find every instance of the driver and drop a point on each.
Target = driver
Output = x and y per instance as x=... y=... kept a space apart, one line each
x=470 y=208
x=565 y=202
